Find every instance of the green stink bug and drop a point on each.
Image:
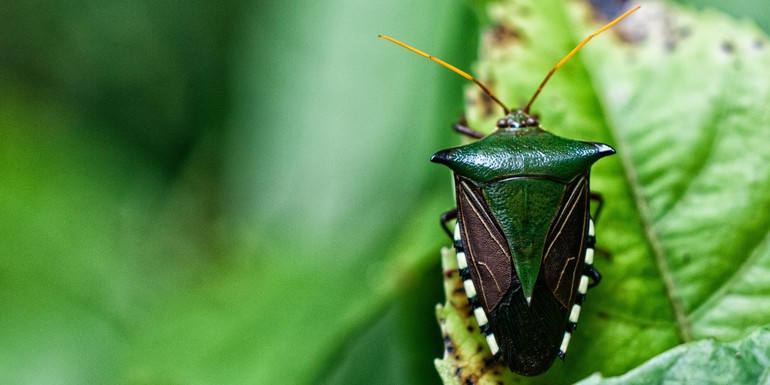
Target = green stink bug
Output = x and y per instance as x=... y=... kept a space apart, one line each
x=524 y=235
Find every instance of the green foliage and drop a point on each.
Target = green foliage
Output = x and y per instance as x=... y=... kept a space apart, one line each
x=678 y=94
x=235 y=192
x=252 y=204
x=703 y=362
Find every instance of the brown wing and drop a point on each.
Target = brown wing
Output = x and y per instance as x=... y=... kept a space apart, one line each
x=489 y=258
x=564 y=253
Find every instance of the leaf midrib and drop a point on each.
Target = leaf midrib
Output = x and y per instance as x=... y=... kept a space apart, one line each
x=644 y=213
x=651 y=235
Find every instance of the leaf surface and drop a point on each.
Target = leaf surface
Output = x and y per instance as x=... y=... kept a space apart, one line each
x=680 y=94
x=746 y=361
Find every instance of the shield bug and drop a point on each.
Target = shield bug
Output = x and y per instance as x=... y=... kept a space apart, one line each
x=524 y=235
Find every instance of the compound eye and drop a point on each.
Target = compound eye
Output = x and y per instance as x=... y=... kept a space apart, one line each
x=502 y=123
x=531 y=122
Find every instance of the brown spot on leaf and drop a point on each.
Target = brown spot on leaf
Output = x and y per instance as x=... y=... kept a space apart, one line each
x=503 y=34
x=675 y=34
x=609 y=9
x=449 y=345
x=728 y=47
x=488 y=104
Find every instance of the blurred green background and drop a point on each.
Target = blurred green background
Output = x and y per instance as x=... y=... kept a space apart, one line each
x=199 y=193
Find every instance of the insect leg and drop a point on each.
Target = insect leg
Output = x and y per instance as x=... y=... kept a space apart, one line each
x=462 y=127
x=596 y=197
x=446 y=217
x=603 y=252
x=594 y=274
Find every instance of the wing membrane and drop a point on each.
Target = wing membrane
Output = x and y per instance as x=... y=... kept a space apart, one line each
x=564 y=254
x=485 y=246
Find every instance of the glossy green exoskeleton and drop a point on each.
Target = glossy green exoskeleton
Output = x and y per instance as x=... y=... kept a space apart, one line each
x=523 y=234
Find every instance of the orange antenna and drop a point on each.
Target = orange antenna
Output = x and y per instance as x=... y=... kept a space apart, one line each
x=451 y=67
x=569 y=55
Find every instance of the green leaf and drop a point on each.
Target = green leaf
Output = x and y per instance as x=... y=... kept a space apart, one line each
x=239 y=192
x=680 y=94
x=329 y=200
x=72 y=216
x=746 y=361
